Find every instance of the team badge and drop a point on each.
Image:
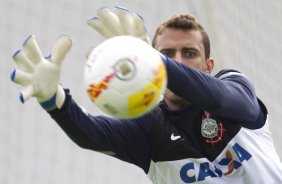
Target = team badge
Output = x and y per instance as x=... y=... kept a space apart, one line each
x=211 y=129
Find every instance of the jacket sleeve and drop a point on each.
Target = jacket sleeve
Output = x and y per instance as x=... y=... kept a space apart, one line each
x=229 y=94
x=124 y=139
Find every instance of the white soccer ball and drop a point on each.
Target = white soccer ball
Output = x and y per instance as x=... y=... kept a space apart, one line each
x=125 y=77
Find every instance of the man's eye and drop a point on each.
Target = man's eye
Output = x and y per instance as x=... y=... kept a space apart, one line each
x=189 y=54
x=168 y=54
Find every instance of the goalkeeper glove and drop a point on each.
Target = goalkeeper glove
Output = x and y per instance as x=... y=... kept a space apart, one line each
x=117 y=22
x=39 y=76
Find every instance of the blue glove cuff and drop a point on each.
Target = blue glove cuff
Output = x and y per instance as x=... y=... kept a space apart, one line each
x=49 y=104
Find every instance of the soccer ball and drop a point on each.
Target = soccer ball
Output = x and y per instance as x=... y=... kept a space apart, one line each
x=125 y=77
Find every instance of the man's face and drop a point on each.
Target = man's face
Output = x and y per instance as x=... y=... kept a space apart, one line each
x=185 y=47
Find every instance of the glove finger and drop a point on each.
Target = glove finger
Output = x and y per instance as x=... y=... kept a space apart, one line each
x=126 y=19
x=60 y=49
x=132 y=23
x=21 y=77
x=96 y=24
x=26 y=93
x=32 y=50
x=23 y=62
x=110 y=20
x=145 y=38
x=139 y=28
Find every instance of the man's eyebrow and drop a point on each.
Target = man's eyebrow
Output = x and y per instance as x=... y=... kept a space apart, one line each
x=190 y=48
x=167 y=49
x=193 y=49
x=184 y=48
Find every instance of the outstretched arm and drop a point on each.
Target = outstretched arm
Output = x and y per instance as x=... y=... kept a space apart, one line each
x=124 y=139
x=229 y=94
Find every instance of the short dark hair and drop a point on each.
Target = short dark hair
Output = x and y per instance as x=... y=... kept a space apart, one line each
x=184 y=22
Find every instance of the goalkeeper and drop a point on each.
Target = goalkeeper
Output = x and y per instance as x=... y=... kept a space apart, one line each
x=208 y=129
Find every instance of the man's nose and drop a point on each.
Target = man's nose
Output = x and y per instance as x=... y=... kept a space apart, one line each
x=177 y=57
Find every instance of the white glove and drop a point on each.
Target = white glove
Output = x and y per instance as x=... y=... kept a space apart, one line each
x=39 y=76
x=119 y=21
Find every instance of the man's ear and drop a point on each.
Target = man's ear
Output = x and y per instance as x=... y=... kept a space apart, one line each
x=209 y=65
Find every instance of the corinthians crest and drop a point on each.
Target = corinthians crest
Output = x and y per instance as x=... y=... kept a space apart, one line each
x=211 y=130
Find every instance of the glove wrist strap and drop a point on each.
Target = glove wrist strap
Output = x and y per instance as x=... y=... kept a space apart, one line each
x=56 y=101
x=49 y=104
